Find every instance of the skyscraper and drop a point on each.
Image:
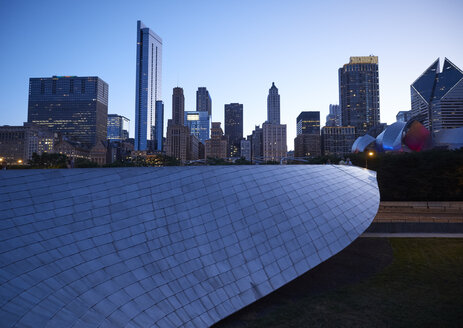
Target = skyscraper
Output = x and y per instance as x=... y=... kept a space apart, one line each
x=118 y=127
x=334 y=117
x=159 y=127
x=273 y=133
x=148 y=83
x=307 y=142
x=199 y=124
x=76 y=107
x=216 y=147
x=178 y=135
x=337 y=140
x=359 y=93
x=257 y=143
x=308 y=123
x=234 y=127
x=274 y=141
x=437 y=97
x=178 y=106
x=203 y=101
x=245 y=148
x=273 y=105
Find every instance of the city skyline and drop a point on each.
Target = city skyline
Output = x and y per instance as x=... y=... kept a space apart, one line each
x=190 y=64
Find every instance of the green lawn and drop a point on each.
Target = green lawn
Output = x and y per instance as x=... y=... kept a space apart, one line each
x=421 y=285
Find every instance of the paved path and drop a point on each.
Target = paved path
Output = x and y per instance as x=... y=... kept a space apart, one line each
x=412 y=235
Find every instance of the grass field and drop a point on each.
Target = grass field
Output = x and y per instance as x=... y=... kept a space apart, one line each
x=375 y=282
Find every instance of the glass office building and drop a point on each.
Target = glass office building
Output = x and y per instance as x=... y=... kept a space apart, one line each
x=437 y=97
x=203 y=101
x=359 y=93
x=75 y=107
x=234 y=127
x=159 y=127
x=118 y=127
x=308 y=123
x=199 y=124
x=334 y=117
x=148 y=84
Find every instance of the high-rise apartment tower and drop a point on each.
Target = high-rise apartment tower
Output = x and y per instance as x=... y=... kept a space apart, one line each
x=359 y=93
x=148 y=84
x=234 y=127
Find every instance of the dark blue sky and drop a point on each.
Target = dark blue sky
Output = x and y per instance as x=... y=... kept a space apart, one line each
x=234 y=48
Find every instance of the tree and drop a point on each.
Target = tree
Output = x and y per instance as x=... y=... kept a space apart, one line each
x=48 y=161
x=84 y=163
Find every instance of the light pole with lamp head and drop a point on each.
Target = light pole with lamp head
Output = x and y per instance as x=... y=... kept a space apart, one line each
x=370 y=154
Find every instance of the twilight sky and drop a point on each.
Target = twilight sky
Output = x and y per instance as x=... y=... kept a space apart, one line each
x=234 y=48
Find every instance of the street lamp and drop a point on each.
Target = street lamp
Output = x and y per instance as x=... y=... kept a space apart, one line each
x=20 y=161
x=369 y=154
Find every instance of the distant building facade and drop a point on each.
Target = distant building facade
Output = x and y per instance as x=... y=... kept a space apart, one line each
x=178 y=135
x=159 y=127
x=307 y=145
x=18 y=143
x=148 y=84
x=337 y=140
x=118 y=151
x=193 y=148
x=257 y=144
x=177 y=141
x=334 y=117
x=199 y=124
x=307 y=141
x=118 y=127
x=203 y=101
x=234 y=127
x=75 y=107
x=274 y=141
x=403 y=116
x=246 y=149
x=437 y=97
x=359 y=93
x=308 y=123
x=217 y=145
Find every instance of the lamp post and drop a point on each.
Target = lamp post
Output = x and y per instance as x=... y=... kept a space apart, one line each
x=370 y=154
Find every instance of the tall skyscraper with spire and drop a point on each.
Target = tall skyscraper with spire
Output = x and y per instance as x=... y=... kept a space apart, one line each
x=148 y=85
x=273 y=105
x=273 y=133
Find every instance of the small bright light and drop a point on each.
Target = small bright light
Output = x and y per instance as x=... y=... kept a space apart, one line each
x=371 y=153
x=20 y=161
x=1 y=159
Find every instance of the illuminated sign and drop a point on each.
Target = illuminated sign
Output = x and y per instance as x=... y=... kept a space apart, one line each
x=192 y=117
